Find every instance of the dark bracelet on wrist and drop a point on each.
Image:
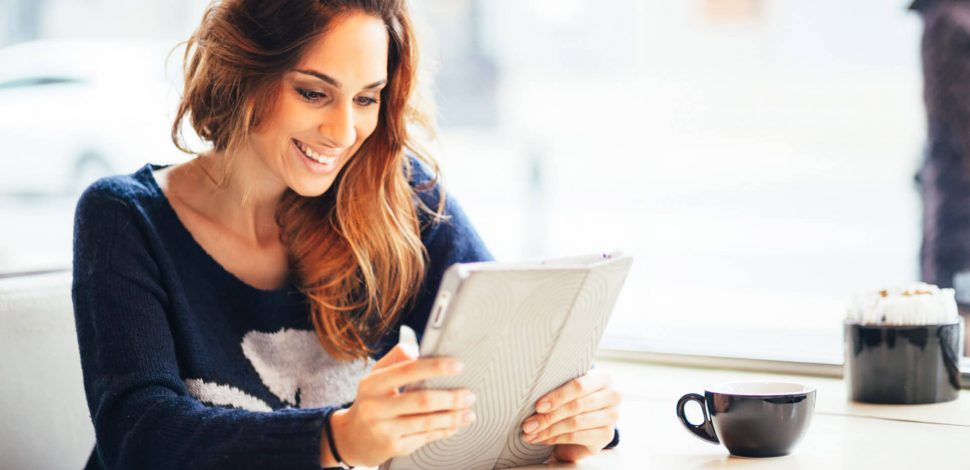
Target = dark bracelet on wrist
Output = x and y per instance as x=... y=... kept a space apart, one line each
x=330 y=441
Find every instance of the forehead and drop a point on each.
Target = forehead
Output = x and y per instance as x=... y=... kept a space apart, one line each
x=353 y=50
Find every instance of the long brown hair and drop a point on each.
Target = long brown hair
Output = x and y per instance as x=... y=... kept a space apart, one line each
x=355 y=251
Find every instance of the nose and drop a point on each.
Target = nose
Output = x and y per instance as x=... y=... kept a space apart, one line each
x=338 y=126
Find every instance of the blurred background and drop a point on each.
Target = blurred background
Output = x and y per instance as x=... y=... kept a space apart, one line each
x=757 y=157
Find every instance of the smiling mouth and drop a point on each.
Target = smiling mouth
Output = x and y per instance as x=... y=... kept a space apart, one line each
x=306 y=150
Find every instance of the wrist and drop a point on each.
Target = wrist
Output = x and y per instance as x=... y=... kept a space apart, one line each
x=338 y=425
x=335 y=428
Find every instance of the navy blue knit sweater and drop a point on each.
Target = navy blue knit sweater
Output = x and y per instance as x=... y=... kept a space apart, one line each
x=187 y=366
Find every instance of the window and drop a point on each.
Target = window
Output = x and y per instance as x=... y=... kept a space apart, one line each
x=755 y=156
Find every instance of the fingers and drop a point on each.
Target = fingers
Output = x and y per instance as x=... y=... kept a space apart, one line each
x=605 y=418
x=576 y=388
x=398 y=353
x=406 y=445
x=593 y=438
x=390 y=378
x=427 y=401
x=601 y=399
x=443 y=420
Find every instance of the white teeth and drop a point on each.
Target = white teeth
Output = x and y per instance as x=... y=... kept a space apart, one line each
x=315 y=156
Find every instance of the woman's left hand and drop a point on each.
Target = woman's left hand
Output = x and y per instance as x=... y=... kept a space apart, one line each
x=578 y=417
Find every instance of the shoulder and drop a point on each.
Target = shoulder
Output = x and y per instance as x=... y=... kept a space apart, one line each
x=110 y=214
x=424 y=180
x=109 y=228
x=428 y=192
x=116 y=194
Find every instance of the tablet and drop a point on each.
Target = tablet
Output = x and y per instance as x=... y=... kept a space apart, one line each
x=521 y=330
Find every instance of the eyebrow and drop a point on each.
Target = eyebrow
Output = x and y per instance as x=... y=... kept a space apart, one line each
x=332 y=81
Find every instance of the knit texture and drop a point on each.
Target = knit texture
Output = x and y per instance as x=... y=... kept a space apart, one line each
x=187 y=366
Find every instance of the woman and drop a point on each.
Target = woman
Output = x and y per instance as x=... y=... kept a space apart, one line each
x=226 y=307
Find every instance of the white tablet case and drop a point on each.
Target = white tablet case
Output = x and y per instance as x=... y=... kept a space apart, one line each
x=521 y=331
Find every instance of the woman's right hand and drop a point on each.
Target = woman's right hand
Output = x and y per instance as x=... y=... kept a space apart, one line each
x=384 y=422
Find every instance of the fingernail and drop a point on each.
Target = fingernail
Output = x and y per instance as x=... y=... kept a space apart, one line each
x=468 y=399
x=467 y=417
x=457 y=366
x=543 y=406
x=530 y=426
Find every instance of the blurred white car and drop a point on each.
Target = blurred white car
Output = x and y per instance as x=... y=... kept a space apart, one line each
x=71 y=111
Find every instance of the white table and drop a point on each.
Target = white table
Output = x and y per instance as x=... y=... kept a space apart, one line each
x=843 y=434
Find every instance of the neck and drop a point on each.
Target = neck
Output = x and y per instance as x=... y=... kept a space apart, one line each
x=245 y=197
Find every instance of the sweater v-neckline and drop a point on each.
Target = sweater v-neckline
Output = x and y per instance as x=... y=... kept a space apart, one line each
x=186 y=235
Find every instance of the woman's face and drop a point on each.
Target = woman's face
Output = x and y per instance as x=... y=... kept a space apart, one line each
x=328 y=105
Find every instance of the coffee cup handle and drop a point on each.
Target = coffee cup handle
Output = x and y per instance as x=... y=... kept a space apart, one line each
x=704 y=430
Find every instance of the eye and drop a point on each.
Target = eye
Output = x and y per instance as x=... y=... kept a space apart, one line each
x=310 y=96
x=366 y=101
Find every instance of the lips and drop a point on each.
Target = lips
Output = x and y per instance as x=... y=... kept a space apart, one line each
x=314 y=155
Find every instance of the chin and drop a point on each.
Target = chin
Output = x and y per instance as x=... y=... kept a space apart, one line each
x=309 y=189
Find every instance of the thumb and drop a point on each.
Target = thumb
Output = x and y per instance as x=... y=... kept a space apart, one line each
x=399 y=353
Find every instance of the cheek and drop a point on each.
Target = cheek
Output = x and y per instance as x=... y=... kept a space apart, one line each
x=271 y=130
x=366 y=127
x=265 y=146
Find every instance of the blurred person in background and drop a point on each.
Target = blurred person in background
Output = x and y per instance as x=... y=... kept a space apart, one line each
x=945 y=174
x=944 y=178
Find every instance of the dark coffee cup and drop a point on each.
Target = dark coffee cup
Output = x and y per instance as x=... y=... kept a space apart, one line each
x=903 y=364
x=752 y=419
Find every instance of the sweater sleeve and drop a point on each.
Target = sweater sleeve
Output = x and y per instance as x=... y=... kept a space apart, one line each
x=142 y=412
